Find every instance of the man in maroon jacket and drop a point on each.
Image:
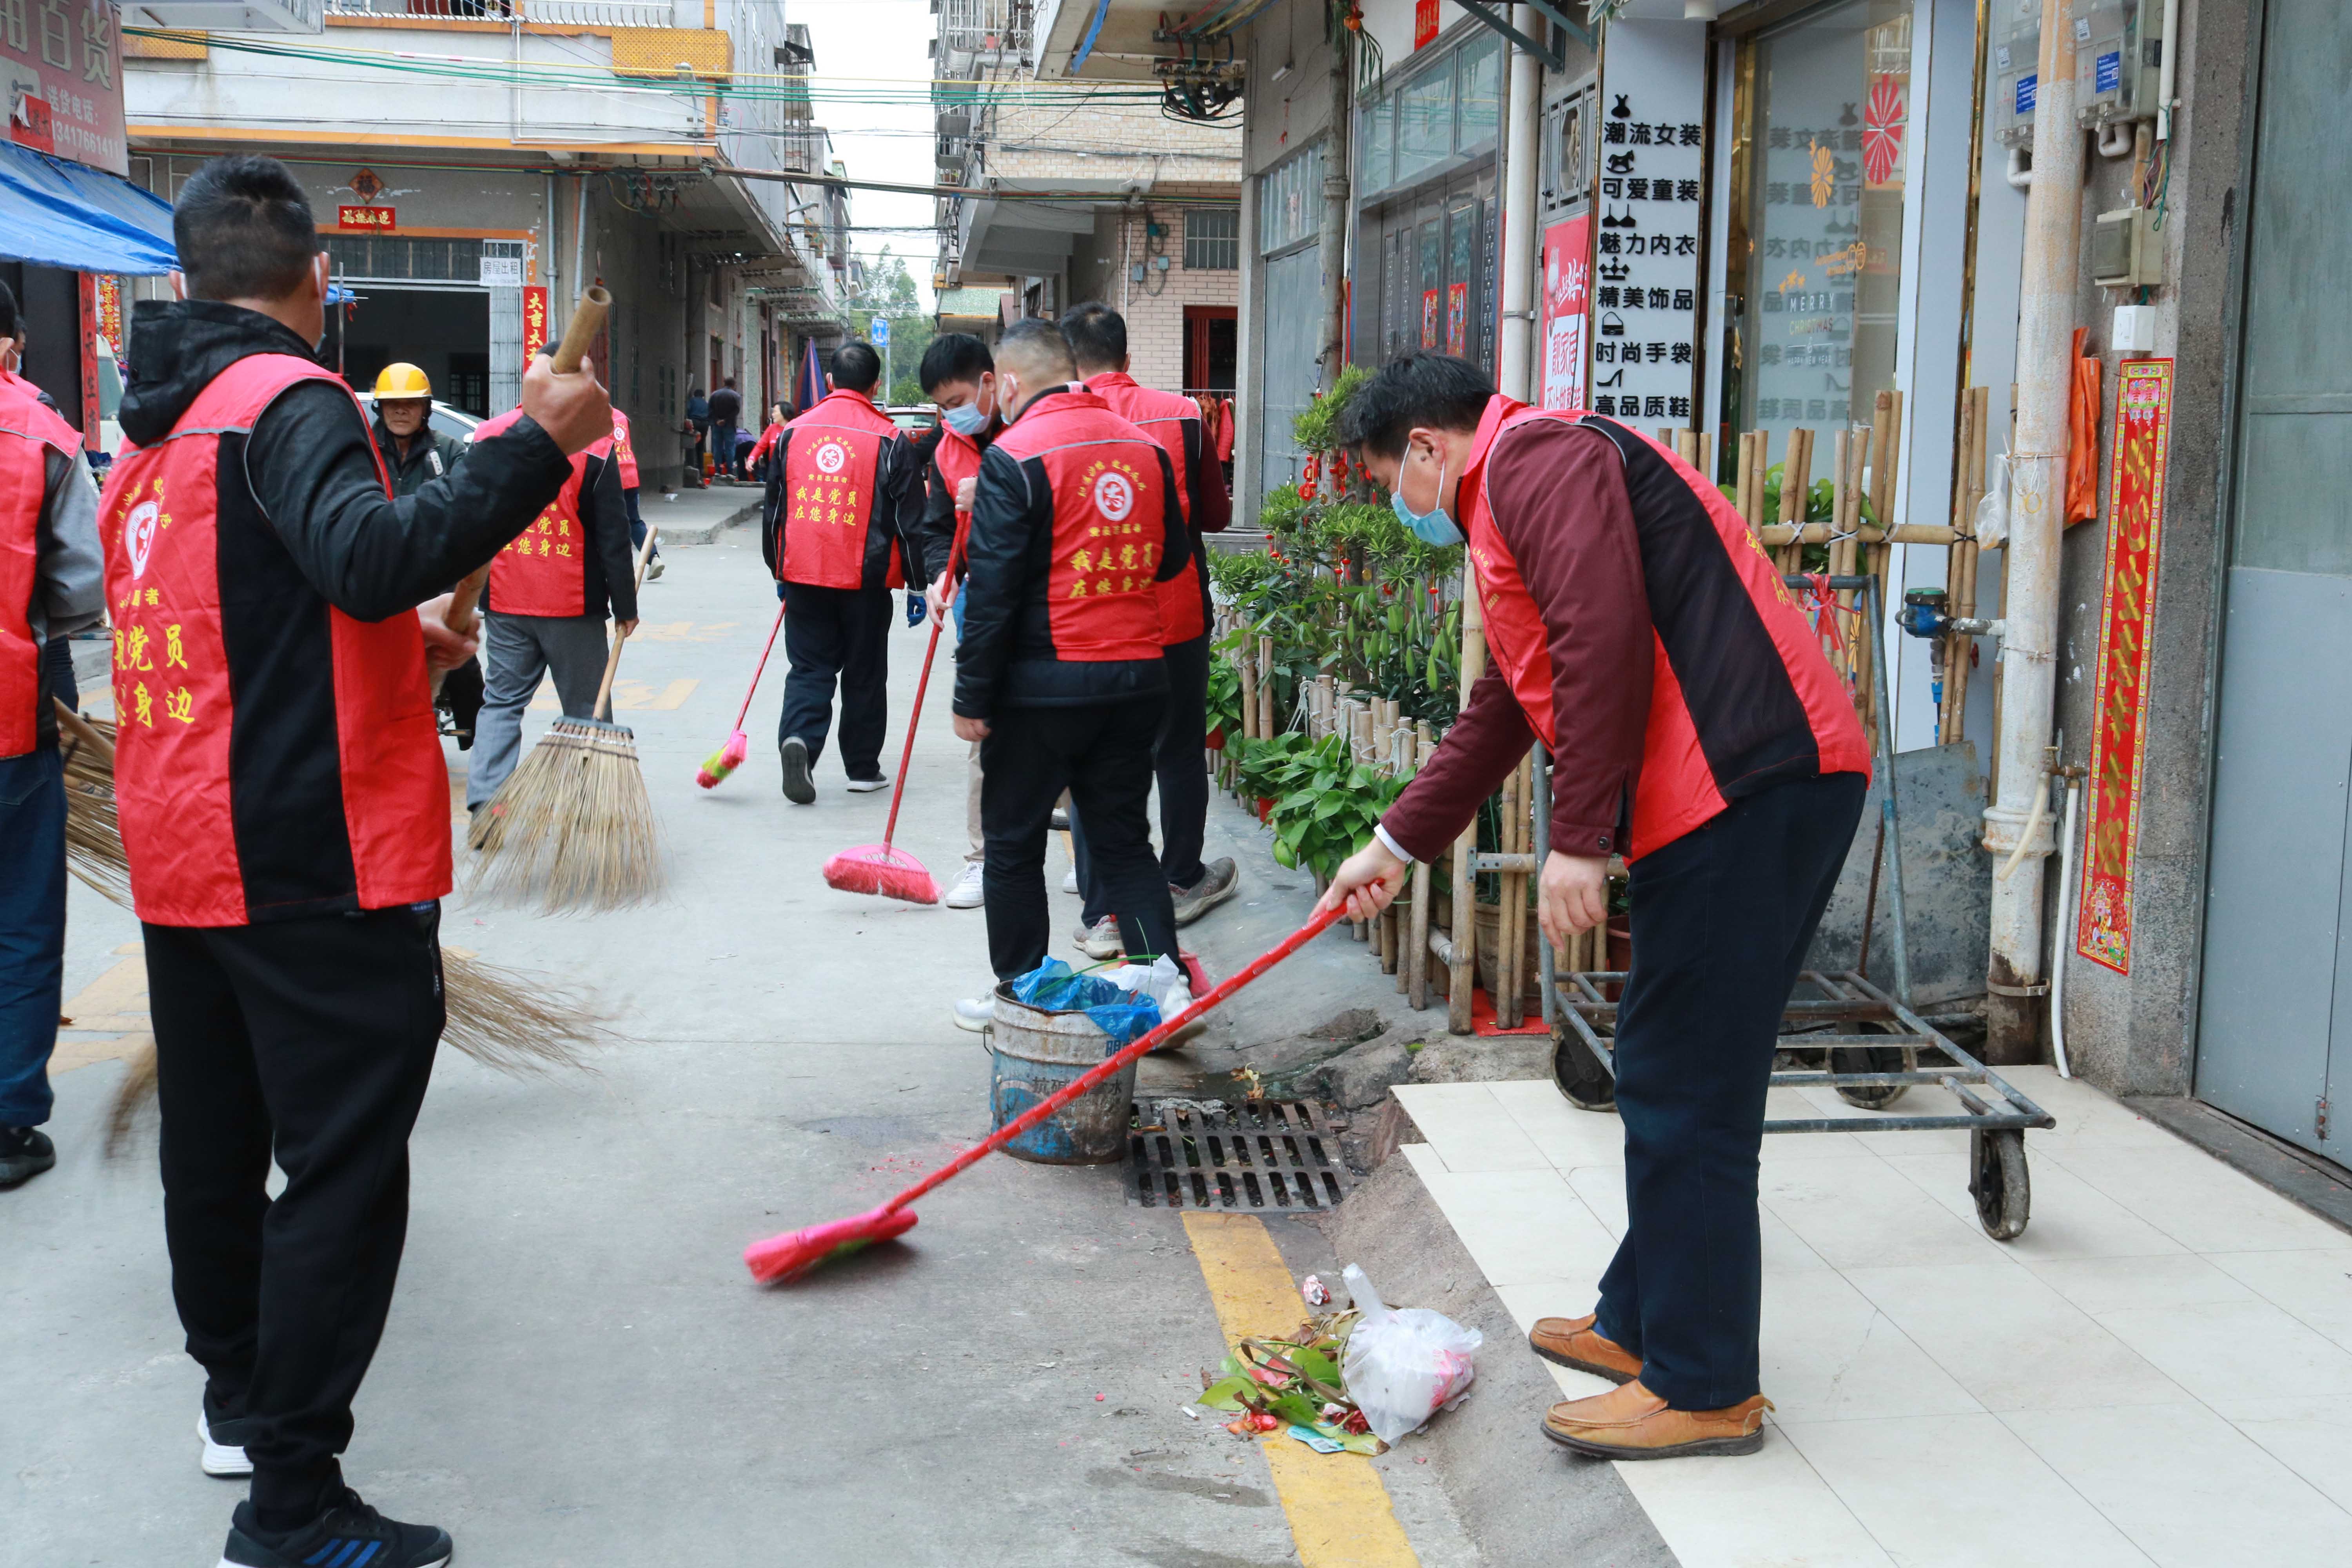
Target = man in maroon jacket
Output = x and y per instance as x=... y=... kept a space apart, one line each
x=1639 y=632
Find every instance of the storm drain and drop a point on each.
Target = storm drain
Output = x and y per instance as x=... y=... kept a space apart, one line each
x=1209 y=1154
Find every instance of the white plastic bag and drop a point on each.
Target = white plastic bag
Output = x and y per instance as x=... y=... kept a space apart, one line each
x=1163 y=981
x=1404 y=1364
x=1992 y=510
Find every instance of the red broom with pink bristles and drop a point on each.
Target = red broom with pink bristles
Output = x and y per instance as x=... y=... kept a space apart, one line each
x=878 y=868
x=797 y=1251
x=719 y=764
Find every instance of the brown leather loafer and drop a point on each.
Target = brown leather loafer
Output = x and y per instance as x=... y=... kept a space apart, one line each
x=1631 y=1423
x=1575 y=1342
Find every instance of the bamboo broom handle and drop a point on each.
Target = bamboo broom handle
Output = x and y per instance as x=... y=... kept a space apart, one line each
x=603 y=709
x=587 y=320
x=83 y=731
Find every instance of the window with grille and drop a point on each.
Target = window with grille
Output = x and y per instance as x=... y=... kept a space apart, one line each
x=1212 y=240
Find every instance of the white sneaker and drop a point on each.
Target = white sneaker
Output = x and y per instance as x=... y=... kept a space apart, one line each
x=1100 y=940
x=976 y=1013
x=1070 y=881
x=867 y=786
x=966 y=892
x=220 y=1458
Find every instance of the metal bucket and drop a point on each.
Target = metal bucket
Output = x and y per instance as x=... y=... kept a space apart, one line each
x=1035 y=1052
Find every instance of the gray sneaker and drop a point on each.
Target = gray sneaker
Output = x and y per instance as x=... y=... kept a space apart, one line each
x=1100 y=940
x=1221 y=881
x=799 y=788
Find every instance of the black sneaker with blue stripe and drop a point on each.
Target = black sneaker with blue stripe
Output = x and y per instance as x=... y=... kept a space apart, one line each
x=350 y=1534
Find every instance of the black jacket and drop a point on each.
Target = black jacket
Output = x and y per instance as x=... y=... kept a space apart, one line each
x=313 y=469
x=937 y=529
x=430 y=455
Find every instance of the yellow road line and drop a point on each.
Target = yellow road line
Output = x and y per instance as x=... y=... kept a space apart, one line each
x=1339 y=1508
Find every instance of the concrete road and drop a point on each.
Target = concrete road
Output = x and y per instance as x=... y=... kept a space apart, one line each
x=578 y=1372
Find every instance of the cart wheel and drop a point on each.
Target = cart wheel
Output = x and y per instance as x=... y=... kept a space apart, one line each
x=1583 y=1082
x=1999 y=1183
x=1869 y=1059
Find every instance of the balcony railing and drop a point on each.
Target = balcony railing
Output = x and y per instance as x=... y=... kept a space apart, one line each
x=982 y=26
x=554 y=12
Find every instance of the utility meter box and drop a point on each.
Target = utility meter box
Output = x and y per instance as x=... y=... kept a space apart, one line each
x=2016 y=60
x=2118 y=59
x=2126 y=250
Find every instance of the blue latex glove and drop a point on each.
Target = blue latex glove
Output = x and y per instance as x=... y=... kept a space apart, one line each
x=779 y=590
x=916 y=608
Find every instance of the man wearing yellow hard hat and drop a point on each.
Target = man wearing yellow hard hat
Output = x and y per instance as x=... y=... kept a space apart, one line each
x=414 y=454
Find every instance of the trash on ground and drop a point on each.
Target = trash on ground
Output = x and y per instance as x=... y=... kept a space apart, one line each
x=1315 y=1440
x=1120 y=1013
x=1272 y=1383
x=1316 y=1292
x=1403 y=1364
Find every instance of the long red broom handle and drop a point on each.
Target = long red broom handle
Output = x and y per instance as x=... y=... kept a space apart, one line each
x=907 y=754
x=1110 y=1065
x=743 y=712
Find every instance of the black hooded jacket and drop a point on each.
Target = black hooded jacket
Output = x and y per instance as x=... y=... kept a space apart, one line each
x=311 y=464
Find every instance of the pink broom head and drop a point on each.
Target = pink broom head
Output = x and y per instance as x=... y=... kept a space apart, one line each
x=723 y=762
x=796 y=1252
x=878 y=868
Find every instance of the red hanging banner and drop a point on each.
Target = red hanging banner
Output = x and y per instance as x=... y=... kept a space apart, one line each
x=2102 y=931
x=1424 y=22
x=1566 y=302
x=534 y=323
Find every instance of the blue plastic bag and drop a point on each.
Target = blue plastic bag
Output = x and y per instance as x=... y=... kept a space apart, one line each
x=1125 y=1016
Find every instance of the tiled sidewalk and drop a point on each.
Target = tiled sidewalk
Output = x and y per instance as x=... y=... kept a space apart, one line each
x=2159 y=1371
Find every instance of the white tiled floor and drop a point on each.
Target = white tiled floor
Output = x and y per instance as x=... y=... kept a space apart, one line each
x=2160 y=1371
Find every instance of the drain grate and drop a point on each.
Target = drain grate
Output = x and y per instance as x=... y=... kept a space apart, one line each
x=1208 y=1154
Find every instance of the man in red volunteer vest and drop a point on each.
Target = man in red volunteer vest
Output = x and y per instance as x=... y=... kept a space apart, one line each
x=285 y=804
x=51 y=587
x=624 y=463
x=840 y=502
x=543 y=610
x=1097 y=337
x=1060 y=673
x=959 y=375
x=1639 y=632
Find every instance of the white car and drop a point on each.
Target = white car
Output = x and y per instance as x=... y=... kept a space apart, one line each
x=446 y=418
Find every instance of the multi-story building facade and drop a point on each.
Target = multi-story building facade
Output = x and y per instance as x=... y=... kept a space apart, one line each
x=1079 y=186
x=476 y=164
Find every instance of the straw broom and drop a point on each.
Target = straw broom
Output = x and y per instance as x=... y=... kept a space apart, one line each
x=93 y=841
x=573 y=823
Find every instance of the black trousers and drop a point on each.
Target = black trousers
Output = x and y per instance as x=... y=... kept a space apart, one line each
x=310 y=1040
x=1182 y=770
x=838 y=635
x=1102 y=755
x=1721 y=919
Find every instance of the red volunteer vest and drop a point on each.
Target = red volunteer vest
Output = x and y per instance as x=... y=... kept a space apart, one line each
x=624 y=454
x=958 y=456
x=832 y=456
x=1105 y=477
x=1678 y=790
x=1162 y=416
x=544 y=570
x=274 y=757
x=30 y=431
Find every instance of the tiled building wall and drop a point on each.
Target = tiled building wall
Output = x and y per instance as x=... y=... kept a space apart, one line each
x=1101 y=268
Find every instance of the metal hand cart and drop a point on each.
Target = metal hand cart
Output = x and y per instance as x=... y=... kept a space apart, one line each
x=1870 y=1044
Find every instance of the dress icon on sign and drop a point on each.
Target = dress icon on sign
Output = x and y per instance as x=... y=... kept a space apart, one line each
x=1623 y=109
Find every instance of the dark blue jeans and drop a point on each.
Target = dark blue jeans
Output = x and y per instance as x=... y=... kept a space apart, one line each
x=32 y=930
x=1722 y=918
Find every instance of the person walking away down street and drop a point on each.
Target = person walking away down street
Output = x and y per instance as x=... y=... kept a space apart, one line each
x=624 y=463
x=51 y=586
x=1732 y=789
x=1097 y=337
x=543 y=611
x=696 y=430
x=726 y=414
x=413 y=454
x=285 y=805
x=960 y=377
x=1060 y=673
x=842 y=504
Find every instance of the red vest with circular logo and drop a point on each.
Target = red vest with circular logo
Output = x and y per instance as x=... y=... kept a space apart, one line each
x=624 y=455
x=1107 y=534
x=1695 y=755
x=544 y=570
x=833 y=458
x=1183 y=598
x=30 y=431
x=274 y=757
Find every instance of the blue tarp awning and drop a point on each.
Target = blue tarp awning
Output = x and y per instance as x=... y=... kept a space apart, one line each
x=59 y=214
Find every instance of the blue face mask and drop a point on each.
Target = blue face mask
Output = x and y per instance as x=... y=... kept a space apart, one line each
x=966 y=420
x=1432 y=527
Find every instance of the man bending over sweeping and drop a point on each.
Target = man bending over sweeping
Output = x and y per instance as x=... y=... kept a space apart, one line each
x=285 y=806
x=1639 y=632
x=1059 y=675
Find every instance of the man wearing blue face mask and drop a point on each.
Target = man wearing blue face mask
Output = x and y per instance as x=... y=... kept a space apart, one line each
x=1640 y=632
x=959 y=375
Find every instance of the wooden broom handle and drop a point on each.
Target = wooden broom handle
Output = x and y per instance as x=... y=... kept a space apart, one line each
x=83 y=731
x=603 y=708
x=587 y=320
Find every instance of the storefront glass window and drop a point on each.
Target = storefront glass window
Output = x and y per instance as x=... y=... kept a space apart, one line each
x=1482 y=91
x=1290 y=200
x=1822 y=216
x=1375 y=143
x=1424 y=122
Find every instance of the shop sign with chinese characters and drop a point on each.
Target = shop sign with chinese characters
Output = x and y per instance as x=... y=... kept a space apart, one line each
x=62 y=60
x=357 y=220
x=1647 y=259
x=2103 y=931
x=1566 y=304
x=534 y=323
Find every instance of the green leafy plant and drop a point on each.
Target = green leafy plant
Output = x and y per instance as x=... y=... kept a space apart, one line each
x=1325 y=802
x=1316 y=428
x=1224 y=700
